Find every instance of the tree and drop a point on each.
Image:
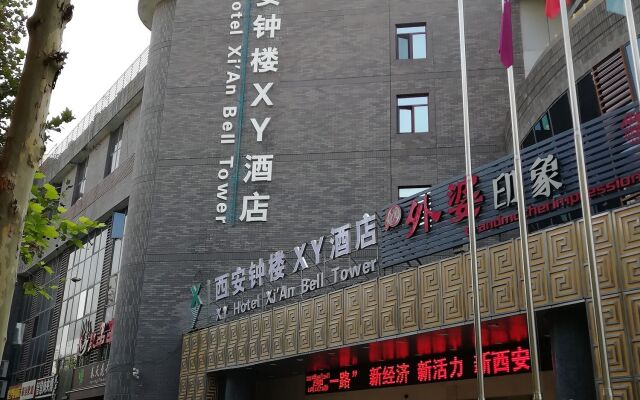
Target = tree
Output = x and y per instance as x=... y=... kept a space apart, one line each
x=12 y=30
x=25 y=139
x=43 y=225
x=12 y=25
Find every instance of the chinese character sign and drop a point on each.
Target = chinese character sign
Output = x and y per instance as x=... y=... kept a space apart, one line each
x=269 y=273
x=545 y=176
x=260 y=32
x=264 y=62
x=420 y=370
x=426 y=224
x=458 y=205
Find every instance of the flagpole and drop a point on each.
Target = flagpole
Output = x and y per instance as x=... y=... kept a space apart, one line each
x=524 y=242
x=586 y=206
x=633 y=42
x=506 y=33
x=506 y=56
x=471 y=206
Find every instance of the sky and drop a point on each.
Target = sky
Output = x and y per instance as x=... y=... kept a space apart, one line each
x=103 y=39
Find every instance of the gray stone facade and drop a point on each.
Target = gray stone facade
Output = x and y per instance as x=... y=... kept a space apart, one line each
x=333 y=136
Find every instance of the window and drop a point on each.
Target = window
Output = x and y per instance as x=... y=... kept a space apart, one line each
x=558 y=118
x=588 y=99
x=540 y=131
x=115 y=144
x=413 y=114
x=408 y=191
x=411 y=41
x=560 y=113
x=81 y=181
x=82 y=289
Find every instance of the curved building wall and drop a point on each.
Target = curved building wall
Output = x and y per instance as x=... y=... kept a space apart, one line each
x=333 y=135
x=595 y=34
x=126 y=342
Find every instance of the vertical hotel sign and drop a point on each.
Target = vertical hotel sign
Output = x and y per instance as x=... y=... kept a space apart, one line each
x=263 y=61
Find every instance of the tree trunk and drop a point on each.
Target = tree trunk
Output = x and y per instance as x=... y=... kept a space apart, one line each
x=24 y=145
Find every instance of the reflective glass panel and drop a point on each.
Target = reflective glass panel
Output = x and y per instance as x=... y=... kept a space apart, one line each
x=419 y=46
x=421 y=119
x=411 y=29
x=413 y=101
x=404 y=120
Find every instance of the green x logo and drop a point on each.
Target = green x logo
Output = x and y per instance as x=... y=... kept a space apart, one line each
x=195 y=299
x=196 y=304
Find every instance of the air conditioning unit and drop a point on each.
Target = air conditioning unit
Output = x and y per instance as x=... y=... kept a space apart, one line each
x=4 y=368
x=18 y=334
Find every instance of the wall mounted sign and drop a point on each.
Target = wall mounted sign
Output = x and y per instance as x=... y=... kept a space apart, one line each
x=265 y=277
x=46 y=387
x=14 y=392
x=28 y=390
x=264 y=60
x=90 y=375
x=428 y=369
x=93 y=339
x=436 y=220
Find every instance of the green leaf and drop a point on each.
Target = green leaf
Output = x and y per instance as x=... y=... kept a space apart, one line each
x=61 y=210
x=39 y=175
x=48 y=269
x=85 y=221
x=44 y=294
x=50 y=192
x=29 y=288
x=35 y=208
x=53 y=287
x=50 y=232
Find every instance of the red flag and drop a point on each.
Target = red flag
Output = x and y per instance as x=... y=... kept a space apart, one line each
x=505 y=48
x=552 y=8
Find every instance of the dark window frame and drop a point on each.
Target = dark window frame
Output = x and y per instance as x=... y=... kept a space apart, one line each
x=411 y=108
x=80 y=182
x=409 y=38
x=115 y=148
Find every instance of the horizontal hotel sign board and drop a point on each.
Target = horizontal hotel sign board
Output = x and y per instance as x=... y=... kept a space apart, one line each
x=437 y=220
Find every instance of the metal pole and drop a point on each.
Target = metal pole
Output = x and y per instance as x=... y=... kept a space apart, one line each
x=524 y=242
x=471 y=206
x=633 y=42
x=586 y=206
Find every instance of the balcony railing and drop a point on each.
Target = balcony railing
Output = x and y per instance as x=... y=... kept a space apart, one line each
x=129 y=74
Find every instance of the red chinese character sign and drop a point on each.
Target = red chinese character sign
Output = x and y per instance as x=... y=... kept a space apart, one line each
x=514 y=359
x=421 y=214
x=427 y=224
x=631 y=127
x=92 y=339
x=458 y=202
